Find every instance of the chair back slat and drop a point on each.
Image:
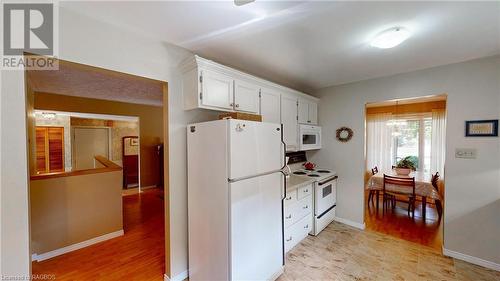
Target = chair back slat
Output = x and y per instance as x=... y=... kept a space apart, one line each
x=406 y=182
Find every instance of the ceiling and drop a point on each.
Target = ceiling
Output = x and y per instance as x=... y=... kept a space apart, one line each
x=311 y=45
x=72 y=79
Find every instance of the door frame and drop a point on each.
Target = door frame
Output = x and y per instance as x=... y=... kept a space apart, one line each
x=20 y=82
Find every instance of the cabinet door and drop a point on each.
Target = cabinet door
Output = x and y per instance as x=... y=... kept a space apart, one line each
x=313 y=113
x=289 y=121
x=217 y=90
x=270 y=106
x=246 y=96
x=303 y=111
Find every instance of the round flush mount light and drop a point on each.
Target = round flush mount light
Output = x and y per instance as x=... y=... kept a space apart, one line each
x=390 y=38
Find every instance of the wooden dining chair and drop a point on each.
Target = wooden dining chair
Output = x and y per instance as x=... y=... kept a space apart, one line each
x=373 y=189
x=439 y=204
x=402 y=186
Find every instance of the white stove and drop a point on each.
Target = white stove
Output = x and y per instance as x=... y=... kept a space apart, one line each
x=325 y=194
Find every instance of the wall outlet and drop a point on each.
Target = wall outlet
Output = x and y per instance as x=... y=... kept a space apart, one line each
x=466 y=153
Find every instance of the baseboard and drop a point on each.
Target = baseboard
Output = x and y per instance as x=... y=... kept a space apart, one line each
x=184 y=275
x=179 y=277
x=471 y=259
x=74 y=247
x=350 y=223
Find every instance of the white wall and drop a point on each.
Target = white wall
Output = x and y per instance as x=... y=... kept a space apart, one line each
x=14 y=205
x=85 y=40
x=472 y=208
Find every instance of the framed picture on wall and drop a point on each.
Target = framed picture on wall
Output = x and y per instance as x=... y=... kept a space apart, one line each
x=481 y=128
x=134 y=141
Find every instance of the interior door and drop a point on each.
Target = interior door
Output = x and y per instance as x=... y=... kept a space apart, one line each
x=246 y=96
x=87 y=143
x=270 y=106
x=255 y=148
x=256 y=227
x=289 y=120
x=217 y=90
x=49 y=149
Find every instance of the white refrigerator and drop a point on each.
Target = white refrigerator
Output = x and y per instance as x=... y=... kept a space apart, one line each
x=235 y=193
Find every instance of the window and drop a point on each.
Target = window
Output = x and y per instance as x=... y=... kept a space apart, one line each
x=411 y=137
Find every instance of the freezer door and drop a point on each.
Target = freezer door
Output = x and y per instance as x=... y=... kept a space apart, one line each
x=256 y=228
x=255 y=148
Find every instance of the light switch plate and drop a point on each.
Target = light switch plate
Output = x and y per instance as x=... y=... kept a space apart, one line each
x=466 y=153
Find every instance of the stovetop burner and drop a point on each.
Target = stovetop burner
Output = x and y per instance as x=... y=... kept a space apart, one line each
x=323 y=171
x=313 y=175
x=299 y=173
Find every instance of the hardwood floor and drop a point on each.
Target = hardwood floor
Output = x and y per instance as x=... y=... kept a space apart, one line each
x=428 y=232
x=344 y=253
x=138 y=255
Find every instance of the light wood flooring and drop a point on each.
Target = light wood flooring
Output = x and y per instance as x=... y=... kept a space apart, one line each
x=344 y=253
x=395 y=222
x=138 y=255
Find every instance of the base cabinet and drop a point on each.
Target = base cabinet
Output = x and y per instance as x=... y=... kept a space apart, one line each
x=297 y=216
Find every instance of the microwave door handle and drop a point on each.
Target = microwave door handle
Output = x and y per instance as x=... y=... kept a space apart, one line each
x=334 y=178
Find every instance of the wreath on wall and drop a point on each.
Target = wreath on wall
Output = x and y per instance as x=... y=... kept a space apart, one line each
x=344 y=134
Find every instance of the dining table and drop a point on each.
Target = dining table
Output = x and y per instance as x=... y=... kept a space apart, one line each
x=423 y=186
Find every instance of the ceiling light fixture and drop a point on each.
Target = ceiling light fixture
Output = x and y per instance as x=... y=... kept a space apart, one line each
x=390 y=38
x=242 y=2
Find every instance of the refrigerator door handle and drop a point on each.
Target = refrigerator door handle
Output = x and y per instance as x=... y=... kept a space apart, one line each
x=254 y=176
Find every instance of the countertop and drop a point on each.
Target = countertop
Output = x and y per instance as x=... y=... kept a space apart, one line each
x=294 y=182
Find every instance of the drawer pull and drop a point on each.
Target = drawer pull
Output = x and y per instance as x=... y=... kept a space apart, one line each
x=289 y=198
x=307 y=226
x=289 y=239
x=305 y=207
x=306 y=190
x=288 y=217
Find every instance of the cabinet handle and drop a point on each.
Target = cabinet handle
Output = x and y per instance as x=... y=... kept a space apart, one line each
x=237 y=105
x=306 y=227
x=306 y=190
x=231 y=104
x=289 y=239
x=288 y=217
x=305 y=207
x=289 y=198
x=308 y=121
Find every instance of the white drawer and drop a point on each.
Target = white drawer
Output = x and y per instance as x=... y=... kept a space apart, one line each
x=304 y=191
x=304 y=207
x=291 y=198
x=290 y=215
x=297 y=232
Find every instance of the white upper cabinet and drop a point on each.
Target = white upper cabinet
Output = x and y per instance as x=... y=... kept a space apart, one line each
x=270 y=106
x=217 y=90
x=209 y=85
x=289 y=121
x=246 y=96
x=308 y=112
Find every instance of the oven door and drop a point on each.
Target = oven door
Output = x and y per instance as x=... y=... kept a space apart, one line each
x=325 y=196
x=309 y=137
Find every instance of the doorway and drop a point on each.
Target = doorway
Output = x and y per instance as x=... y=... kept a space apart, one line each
x=145 y=214
x=404 y=180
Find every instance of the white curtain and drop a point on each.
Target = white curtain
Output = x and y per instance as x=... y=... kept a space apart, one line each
x=378 y=141
x=438 y=145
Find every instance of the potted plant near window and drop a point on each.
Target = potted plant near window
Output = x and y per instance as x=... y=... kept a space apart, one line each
x=405 y=166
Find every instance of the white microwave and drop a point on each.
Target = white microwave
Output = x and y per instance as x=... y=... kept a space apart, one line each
x=309 y=137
